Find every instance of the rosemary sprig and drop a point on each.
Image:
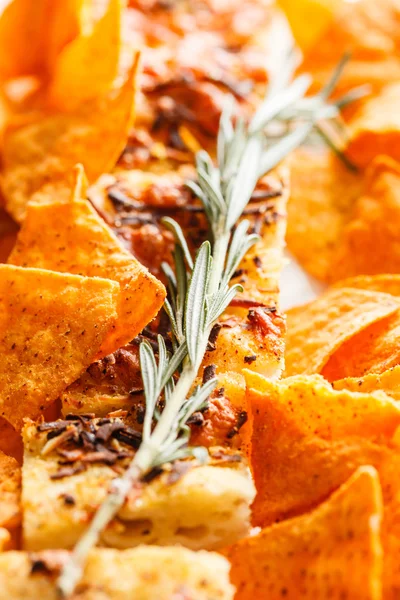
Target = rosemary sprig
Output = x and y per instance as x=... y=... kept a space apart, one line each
x=200 y=290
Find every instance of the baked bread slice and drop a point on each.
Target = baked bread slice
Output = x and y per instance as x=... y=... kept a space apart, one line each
x=197 y=506
x=144 y=573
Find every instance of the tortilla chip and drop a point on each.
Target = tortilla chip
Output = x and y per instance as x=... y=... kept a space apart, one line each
x=308 y=439
x=388 y=381
x=373 y=350
x=8 y=235
x=335 y=551
x=344 y=224
x=53 y=327
x=33 y=33
x=4 y=539
x=304 y=431
x=10 y=440
x=78 y=241
x=318 y=329
x=317 y=213
x=79 y=74
x=375 y=128
x=308 y=18
x=369 y=31
x=389 y=284
x=369 y=240
x=38 y=158
x=10 y=492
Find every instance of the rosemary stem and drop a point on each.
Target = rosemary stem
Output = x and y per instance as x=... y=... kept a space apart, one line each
x=174 y=404
x=72 y=571
x=146 y=454
x=153 y=444
x=220 y=248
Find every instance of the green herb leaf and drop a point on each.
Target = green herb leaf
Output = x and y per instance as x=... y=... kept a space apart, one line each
x=173 y=226
x=195 y=308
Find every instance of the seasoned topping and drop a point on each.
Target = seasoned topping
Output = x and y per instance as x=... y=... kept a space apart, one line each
x=47 y=562
x=260 y=318
x=249 y=359
x=68 y=499
x=209 y=373
x=241 y=420
x=80 y=440
x=213 y=337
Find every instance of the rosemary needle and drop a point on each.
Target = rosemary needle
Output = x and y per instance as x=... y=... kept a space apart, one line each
x=200 y=290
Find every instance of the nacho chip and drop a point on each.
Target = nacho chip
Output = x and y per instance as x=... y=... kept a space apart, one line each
x=375 y=128
x=10 y=492
x=10 y=440
x=145 y=573
x=308 y=439
x=388 y=284
x=78 y=241
x=301 y=426
x=388 y=381
x=344 y=224
x=334 y=551
x=53 y=327
x=369 y=242
x=38 y=158
x=369 y=30
x=316 y=330
x=373 y=350
x=79 y=74
x=317 y=213
x=4 y=539
x=33 y=33
x=8 y=235
x=309 y=18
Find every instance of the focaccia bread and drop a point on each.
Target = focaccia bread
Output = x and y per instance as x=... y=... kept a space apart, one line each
x=145 y=573
x=249 y=335
x=66 y=476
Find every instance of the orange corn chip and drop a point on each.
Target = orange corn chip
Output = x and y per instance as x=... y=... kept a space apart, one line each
x=309 y=18
x=4 y=539
x=388 y=381
x=33 y=33
x=302 y=425
x=8 y=235
x=87 y=67
x=344 y=224
x=334 y=551
x=38 y=158
x=375 y=128
x=369 y=242
x=10 y=440
x=317 y=213
x=10 y=492
x=308 y=439
x=316 y=330
x=369 y=30
x=52 y=327
x=374 y=350
x=78 y=241
x=389 y=284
